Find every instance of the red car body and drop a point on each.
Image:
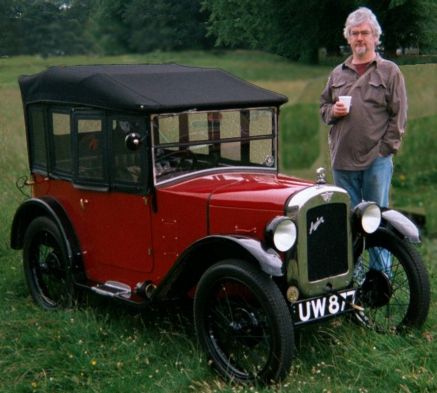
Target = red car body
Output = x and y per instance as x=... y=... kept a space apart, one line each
x=122 y=237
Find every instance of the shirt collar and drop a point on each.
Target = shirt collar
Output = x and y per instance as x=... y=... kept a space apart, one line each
x=348 y=62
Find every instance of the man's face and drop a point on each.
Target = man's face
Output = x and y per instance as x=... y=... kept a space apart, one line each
x=362 y=41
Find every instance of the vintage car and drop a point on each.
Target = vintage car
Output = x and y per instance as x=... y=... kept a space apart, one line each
x=158 y=182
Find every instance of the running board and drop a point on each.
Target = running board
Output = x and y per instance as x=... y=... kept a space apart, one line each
x=113 y=289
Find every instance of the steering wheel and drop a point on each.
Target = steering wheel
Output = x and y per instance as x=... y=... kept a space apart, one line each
x=180 y=160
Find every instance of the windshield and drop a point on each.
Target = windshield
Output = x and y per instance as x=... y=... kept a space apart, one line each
x=189 y=142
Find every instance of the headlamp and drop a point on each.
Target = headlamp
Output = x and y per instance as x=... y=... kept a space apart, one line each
x=368 y=216
x=281 y=233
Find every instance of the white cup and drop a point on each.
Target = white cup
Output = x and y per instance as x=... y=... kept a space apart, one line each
x=346 y=100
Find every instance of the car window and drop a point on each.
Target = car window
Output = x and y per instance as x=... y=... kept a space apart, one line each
x=61 y=142
x=126 y=164
x=189 y=142
x=38 y=147
x=90 y=148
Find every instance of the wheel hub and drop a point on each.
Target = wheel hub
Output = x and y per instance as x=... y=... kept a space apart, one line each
x=246 y=325
x=53 y=265
x=376 y=290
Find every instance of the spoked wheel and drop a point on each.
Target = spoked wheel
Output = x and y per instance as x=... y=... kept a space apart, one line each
x=243 y=323
x=393 y=284
x=46 y=265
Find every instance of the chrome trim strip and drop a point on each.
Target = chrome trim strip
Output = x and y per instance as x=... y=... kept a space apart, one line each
x=301 y=198
x=218 y=171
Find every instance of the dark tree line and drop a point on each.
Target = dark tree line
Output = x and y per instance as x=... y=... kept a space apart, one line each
x=297 y=29
x=101 y=26
x=293 y=28
x=44 y=27
x=139 y=26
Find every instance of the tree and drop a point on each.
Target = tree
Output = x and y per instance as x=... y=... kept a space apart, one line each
x=108 y=26
x=297 y=29
x=140 y=26
x=165 y=25
x=10 y=39
x=428 y=36
x=294 y=29
x=408 y=23
x=43 y=26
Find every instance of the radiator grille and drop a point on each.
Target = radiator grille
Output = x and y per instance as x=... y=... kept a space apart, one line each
x=327 y=241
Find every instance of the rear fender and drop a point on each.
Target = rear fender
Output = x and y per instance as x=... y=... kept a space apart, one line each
x=48 y=207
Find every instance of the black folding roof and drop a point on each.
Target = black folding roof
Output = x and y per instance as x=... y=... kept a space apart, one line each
x=145 y=88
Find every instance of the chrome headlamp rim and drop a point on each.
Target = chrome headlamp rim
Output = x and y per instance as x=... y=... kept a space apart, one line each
x=281 y=233
x=368 y=215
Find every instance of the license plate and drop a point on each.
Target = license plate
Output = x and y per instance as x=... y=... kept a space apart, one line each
x=309 y=310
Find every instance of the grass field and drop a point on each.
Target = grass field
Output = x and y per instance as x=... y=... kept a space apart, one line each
x=102 y=347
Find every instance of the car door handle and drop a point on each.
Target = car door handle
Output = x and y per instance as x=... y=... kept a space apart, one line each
x=83 y=203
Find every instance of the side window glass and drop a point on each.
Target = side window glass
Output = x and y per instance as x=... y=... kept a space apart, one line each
x=61 y=142
x=38 y=148
x=230 y=127
x=90 y=149
x=261 y=123
x=126 y=165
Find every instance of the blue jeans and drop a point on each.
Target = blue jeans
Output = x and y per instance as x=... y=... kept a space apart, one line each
x=371 y=184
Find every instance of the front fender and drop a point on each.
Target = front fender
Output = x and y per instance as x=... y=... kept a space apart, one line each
x=211 y=249
x=269 y=260
x=402 y=225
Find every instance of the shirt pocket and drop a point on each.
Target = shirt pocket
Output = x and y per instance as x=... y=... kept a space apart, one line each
x=339 y=88
x=376 y=93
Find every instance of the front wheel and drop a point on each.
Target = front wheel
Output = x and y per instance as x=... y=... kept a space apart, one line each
x=46 y=265
x=243 y=323
x=392 y=282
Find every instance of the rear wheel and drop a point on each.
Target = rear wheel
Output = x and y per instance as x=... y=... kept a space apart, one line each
x=243 y=323
x=393 y=284
x=46 y=265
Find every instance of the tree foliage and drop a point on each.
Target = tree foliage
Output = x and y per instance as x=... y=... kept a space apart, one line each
x=45 y=27
x=165 y=25
x=108 y=26
x=295 y=29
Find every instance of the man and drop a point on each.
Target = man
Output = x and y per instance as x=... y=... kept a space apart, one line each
x=363 y=139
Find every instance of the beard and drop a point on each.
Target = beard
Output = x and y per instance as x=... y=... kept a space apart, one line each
x=361 y=50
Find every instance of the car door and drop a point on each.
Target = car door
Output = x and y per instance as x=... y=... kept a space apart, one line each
x=112 y=203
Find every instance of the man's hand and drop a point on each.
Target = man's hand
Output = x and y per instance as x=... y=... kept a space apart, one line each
x=339 y=110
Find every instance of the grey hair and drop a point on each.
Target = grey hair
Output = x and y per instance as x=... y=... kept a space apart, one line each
x=362 y=15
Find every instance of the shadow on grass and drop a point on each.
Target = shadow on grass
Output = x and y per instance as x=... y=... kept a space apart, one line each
x=175 y=315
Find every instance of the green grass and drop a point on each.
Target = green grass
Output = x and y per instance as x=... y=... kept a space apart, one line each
x=299 y=136
x=250 y=65
x=416 y=169
x=102 y=347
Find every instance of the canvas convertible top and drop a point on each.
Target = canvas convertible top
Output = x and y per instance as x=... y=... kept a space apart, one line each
x=145 y=88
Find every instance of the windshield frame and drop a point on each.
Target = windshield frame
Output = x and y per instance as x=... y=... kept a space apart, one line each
x=184 y=146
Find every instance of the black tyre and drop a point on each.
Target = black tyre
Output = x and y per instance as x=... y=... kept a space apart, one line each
x=398 y=297
x=243 y=323
x=46 y=265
